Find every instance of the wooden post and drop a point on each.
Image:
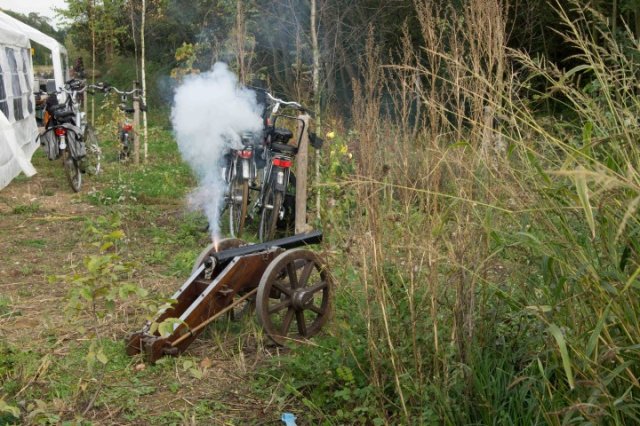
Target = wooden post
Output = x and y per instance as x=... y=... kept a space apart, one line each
x=301 y=175
x=315 y=49
x=136 y=124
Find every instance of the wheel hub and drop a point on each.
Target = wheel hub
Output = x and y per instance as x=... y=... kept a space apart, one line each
x=300 y=299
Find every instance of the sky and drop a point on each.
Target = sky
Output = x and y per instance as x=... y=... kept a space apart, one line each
x=43 y=7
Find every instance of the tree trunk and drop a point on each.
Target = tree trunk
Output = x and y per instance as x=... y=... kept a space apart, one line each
x=144 y=78
x=239 y=36
x=136 y=124
x=92 y=25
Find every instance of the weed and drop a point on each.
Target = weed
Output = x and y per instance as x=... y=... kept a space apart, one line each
x=30 y=208
x=5 y=306
x=25 y=292
x=36 y=243
x=182 y=262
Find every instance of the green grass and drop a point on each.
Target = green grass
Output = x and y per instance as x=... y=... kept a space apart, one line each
x=35 y=243
x=30 y=208
x=165 y=179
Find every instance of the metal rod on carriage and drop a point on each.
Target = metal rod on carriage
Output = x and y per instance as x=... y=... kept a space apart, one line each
x=213 y=318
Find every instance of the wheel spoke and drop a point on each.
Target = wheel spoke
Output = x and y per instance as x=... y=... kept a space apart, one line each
x=302 y=326
x=283 y=288
x=316 y=288
x=306 y=272
x=280 y=306
x=293 y=277
x=286 y=322
x=310 y=306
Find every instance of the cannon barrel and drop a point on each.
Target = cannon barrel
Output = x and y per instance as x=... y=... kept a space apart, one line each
x=298 y=240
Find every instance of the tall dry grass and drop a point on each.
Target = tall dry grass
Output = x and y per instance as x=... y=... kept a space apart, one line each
x=497 y=245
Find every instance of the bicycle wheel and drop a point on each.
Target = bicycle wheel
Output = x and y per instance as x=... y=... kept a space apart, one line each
x=270 y=212
x=71 y=170
x=238 y=201
x=94 y=153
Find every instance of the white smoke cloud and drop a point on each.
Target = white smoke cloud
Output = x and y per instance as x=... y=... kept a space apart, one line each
x=209 y=113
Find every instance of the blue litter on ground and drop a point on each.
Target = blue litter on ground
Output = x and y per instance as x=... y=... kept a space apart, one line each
x=289 y=419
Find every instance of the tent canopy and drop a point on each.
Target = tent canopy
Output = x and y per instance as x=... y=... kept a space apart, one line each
x=59 y=54
x=18 y=129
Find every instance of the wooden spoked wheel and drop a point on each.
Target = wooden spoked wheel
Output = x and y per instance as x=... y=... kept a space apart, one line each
x=293 y=299
x=224 y=244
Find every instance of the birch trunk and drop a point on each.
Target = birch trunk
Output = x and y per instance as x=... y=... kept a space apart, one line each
x=144 y=78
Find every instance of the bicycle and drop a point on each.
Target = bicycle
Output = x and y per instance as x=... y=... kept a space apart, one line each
x=239 y=172
x=126 y=133
x=75 y=95
x=67 y=135
x=276 y=202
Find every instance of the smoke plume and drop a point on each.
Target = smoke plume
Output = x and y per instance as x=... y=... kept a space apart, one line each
x=209 y=113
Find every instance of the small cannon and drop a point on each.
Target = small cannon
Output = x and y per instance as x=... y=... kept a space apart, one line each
x=291 y=285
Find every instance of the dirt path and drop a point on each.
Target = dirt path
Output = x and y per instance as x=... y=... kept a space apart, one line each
x=43 y=234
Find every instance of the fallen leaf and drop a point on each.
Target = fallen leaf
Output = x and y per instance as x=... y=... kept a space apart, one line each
x=205 y=363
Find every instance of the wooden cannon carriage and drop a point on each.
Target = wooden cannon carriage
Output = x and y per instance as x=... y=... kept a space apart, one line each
x=291 y=286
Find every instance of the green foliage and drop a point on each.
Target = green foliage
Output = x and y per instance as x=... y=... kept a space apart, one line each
x=100 y=18
x=27 y=208
x=5 y=306
x=183 y=262
x=8 y=413
x=487 y=290
x=340 y=197
x=327 y=378
x=102 y=284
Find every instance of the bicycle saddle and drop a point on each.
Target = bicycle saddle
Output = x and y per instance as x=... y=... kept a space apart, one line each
x=281 y=135
x=63 y=115
x=284 y=148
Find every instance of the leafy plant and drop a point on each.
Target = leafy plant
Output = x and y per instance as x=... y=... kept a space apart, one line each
x=97 y=289
x=14 y=412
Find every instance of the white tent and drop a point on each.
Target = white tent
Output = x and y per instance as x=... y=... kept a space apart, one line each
x=59 y=56
x=18 y=128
